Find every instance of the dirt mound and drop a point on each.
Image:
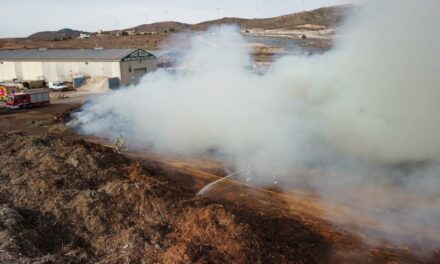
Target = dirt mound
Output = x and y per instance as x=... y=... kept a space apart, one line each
x=66 y=200
x=28 y=235
x=95 y=85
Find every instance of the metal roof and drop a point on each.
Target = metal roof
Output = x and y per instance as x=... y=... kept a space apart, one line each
x=159 y=53
x=65 y=54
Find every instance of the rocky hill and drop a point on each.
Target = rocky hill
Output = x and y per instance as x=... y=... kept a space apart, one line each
x=62 y=34
x=161 y=27
x=316 y=19
x=320 y=18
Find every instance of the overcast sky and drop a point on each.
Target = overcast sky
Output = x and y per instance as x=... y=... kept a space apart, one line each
x=23 y=17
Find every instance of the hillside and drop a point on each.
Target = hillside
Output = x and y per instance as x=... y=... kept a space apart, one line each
x=323 y=18
x=65 y=33
x=161 y=27
x=314 y=22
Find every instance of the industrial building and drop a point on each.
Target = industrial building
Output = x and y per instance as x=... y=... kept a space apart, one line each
x=126 y=66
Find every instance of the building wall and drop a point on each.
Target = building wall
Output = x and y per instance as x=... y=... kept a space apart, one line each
x=58 y=71
x=128 y=69
x=51 y=71
x=7 y=71
x=30 y=69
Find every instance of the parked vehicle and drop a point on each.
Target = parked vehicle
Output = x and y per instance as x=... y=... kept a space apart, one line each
x=58 y=86
x=28 y=98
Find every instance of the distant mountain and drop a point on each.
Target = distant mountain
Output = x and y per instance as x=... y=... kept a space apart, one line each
x=161 y=27
x=65 y=33
x=319 y=18
x=325 y=17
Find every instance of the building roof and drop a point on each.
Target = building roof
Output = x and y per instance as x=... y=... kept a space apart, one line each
x=68 y=54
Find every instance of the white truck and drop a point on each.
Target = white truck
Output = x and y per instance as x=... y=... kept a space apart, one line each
x=57 y=86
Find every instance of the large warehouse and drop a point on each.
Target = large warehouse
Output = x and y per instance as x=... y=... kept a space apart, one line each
x=127 y=65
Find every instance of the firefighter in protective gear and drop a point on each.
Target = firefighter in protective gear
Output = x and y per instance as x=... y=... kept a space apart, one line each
x=120 y=145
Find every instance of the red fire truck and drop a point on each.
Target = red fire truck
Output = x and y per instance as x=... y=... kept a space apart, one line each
x=29 y=98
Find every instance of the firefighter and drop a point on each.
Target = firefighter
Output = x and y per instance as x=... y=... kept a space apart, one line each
x=120 y=145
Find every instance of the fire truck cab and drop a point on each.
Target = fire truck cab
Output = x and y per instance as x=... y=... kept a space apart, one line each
x=18 y=100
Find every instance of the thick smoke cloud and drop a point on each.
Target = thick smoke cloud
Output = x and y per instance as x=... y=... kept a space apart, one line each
x=363 y=115
x=385 y=93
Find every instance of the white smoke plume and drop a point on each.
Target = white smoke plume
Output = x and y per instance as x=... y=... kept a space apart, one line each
x=363 y=115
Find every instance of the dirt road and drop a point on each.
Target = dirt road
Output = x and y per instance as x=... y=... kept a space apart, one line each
x=38 y=120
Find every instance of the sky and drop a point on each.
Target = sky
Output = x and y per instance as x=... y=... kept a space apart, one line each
x=20 y=18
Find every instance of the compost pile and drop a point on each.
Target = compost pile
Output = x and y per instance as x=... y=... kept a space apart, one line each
x=65 y=200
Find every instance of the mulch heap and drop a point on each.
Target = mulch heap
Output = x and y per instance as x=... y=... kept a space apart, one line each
x=65 y=200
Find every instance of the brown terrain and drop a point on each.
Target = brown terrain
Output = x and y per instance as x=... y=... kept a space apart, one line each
x=140 y=41
x=65 y=198
x=156 y=35
x=326 y=17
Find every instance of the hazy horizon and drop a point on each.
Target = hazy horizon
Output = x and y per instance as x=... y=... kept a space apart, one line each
x=111 y=15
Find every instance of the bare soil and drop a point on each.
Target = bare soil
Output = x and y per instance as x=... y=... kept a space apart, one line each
x=108 y=42
x=148 y=42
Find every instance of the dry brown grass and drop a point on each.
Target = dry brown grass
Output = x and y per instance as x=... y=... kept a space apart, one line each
x=108 y=42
